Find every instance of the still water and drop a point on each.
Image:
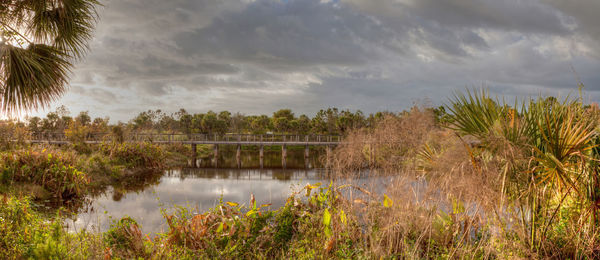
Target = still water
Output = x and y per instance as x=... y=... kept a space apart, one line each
x=199 y=189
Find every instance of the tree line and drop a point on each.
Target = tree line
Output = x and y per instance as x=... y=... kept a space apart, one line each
x=332 y=121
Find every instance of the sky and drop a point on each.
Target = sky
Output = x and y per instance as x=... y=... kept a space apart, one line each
x=257 y=56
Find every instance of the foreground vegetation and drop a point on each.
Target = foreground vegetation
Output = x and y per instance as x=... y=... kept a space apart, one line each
x=58 y=176
x=485 y=181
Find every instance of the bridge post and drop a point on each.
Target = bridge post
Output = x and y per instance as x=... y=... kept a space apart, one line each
x=261 y=155
x=194 y=156
x=238 y=156
x=216 y=155
x=283 y=156
x=328 y=160
x=306 y=154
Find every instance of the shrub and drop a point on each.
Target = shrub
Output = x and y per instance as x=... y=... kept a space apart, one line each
x=52 y=170
x=25 y=234
x=125 y=238
x=144 y=155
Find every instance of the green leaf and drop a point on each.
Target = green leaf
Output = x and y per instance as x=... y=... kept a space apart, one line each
x=387 y=202
x=232 y=204
x=326 y=218
x=343 y=217
x=220 y=228
x=328 y=232
x=309 y=188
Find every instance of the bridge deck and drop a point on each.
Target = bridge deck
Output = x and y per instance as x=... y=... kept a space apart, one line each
x=229 y=139
x=266 y=143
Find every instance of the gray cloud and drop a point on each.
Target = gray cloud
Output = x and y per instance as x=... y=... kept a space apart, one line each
x=257 y=56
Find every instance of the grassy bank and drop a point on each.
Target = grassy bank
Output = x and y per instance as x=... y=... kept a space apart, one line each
x=510 y=181
x=58 y=176
x=484 y=181
x=314 y=223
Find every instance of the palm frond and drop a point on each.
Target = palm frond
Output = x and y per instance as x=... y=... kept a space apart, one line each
x=473 y=114
x=31 y=77
x=40 y=40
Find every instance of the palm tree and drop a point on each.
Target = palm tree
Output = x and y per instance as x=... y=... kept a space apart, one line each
x=39 y=40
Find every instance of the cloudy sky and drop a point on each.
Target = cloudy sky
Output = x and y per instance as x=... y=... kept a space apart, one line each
x=258 y=56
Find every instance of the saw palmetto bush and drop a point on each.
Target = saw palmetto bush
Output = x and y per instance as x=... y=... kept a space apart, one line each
x=548 y=153
x=39 y=41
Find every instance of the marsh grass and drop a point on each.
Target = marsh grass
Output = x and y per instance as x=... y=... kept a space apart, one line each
x=52 y=170
x=493 y=181
x=499 y=181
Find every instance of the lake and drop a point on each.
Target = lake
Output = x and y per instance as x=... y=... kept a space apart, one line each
x=201 y=188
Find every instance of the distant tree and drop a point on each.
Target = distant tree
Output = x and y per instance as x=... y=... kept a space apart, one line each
x=34 y=125
x=148 y=120
x=56 y=121
x=210 y=122
x=282 y=120
x=325 y=121
x=168 y=123
x=83 y=118
x=224 y=121
x=118 y=133
x=281 y=124
x=238 y=123
x=347 y=120
x=184 y=121
x=224 y=115
x=260 y=124
x=197 y=124
x=285 y=113
x=142 y=121
x=100 y=125
x=302 y=125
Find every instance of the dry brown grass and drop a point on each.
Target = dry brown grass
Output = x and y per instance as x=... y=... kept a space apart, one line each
x=446 y=193
x=385 y=146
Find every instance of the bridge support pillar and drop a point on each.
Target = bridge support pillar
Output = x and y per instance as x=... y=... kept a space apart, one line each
x=216 y=155
x=306 y=155
x=283 y=156
x=238 y=156
x=194 y=163
x=261 y=155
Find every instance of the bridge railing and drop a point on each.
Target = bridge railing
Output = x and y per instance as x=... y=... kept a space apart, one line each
x=234 y=138
x=144 y=137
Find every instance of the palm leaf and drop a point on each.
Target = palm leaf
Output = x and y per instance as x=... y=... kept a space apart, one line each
x=41 y=38
x=31 y=77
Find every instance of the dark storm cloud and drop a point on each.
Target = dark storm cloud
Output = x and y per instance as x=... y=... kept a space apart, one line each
x=257 y=56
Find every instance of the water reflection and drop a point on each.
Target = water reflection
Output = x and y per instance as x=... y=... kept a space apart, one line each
x=250 y=159
x=198 y=188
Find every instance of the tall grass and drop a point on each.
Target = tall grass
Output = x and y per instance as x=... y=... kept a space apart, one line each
x=53 y=170
x=497 y=181
x=527 y=175
x=132 y=155
x=387 y=145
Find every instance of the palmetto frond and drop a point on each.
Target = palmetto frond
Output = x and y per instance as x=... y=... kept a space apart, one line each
x=474 y=113
x=40 y=39
x=566 y=139
x=32 y=76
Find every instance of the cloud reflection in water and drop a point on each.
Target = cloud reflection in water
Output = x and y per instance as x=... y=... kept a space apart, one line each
x=197 y=188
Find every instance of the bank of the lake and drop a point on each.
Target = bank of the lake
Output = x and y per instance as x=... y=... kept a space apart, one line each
x=200 y=189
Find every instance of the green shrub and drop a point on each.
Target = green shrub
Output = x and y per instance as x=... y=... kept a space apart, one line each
x=52 y=170
x=144 y=155
x=125 y=238
x=25 y=234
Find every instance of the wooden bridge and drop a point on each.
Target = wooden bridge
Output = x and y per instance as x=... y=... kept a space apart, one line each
x=216 y=140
